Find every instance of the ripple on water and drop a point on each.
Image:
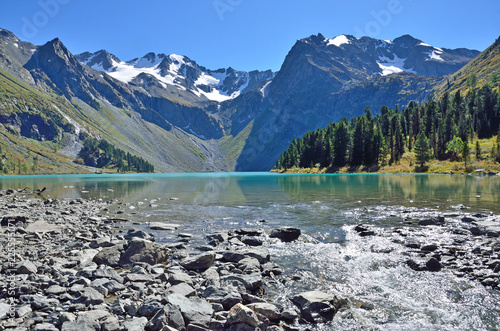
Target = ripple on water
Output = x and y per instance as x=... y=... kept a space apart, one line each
x=384 y=293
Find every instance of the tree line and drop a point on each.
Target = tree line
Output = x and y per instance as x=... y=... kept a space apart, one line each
x=100 y=154
x=439 y=129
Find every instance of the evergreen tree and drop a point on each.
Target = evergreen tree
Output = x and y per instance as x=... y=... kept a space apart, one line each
x=341 y=140
x=478 y=150
x=422 y=148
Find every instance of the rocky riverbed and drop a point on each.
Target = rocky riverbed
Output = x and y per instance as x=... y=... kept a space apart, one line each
x=78 y=264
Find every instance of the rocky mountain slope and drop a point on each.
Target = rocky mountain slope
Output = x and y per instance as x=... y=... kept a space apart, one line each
x=181 y=116
x=484 y=69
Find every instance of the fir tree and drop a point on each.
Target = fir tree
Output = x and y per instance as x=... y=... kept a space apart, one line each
x=422 y=148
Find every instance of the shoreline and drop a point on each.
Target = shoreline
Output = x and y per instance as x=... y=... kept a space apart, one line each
x=75 y=263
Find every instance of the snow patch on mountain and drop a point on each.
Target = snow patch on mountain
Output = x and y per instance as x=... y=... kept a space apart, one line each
x=435 y=54
x=392 y=66
x=264 y=89
x=339 y=40
x=177 y=71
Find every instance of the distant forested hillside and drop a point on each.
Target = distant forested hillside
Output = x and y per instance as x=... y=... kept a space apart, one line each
x=440 y=129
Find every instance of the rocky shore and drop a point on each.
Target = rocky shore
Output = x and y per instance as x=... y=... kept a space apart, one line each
x=78 y=264
x=74 y=265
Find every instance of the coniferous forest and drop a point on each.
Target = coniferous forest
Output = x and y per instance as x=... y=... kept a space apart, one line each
x=442 y=129
x=101 y=154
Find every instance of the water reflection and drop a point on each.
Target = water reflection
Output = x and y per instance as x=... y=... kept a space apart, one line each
x=261 y=189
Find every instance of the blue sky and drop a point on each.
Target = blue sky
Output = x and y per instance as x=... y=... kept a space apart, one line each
x=244 y=34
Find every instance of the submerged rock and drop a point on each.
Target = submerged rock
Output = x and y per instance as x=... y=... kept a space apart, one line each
x=286 y=234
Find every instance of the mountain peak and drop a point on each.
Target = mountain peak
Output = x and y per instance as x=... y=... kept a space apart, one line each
x=407 y=41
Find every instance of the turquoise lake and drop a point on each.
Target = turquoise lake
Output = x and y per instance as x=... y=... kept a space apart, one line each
x=331 y=256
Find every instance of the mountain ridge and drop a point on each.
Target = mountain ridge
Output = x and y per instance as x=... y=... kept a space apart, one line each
x=260 y=112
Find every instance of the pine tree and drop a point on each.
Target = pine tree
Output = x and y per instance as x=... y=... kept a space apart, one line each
x=340 y=144
x=422 y=148
x=478 y=150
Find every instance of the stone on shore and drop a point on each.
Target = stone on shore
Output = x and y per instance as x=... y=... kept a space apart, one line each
x=199 y=262
x=140 y=250
x=194 y=310
x=4 y=310
x=161 y=226
x=42 y=227
x=90 y=296
x=135 y=324
x=26 y=267
x=109 y=256
x=317 y=307
x=268 y=310
x=240 y=314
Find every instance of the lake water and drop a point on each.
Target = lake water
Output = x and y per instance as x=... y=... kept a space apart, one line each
x=369 y=272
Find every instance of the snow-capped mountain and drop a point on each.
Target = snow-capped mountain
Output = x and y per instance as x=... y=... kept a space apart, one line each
x=179 y=72
x=183 y=116
x=403 y=54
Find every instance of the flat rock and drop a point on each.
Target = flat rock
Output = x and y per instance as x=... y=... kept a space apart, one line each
x=183 y=289
x=161 y=226
x=261 y=254
x=42 y=227
x=90 y=296
x=131 y=277
x=179 y=278
x=135 y=324
x=252 y=241
x=55 y=290
x=44 y=327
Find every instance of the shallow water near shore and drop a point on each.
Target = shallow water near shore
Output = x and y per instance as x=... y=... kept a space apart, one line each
x=370 y=272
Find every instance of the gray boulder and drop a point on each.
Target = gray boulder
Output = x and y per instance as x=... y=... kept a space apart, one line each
x=227 y=296
x=199 y=262
x=109 y=256
x=168 y=317
x=266 y=309
x=194 y=310
x=240 y=314
x=140 y=250
x=4 y=310
x=317 y=307
x=90 y=296
x=26 y=267
x=149 y=308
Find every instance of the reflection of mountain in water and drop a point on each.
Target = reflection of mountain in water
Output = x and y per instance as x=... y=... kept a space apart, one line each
x=261 y=189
